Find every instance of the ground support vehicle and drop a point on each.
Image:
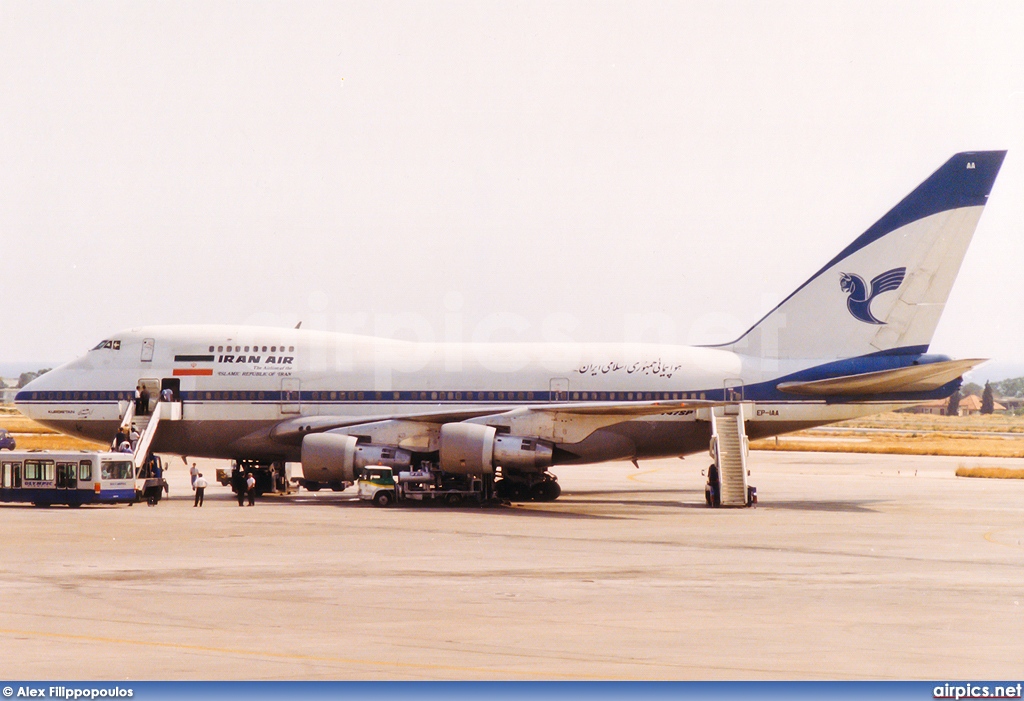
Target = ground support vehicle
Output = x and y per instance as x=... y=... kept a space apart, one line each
x=72 y=478
x=150 y=482
x=271 y=478
x=383 y=487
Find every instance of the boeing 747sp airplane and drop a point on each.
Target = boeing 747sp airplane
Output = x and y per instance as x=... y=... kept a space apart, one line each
x=850 y=341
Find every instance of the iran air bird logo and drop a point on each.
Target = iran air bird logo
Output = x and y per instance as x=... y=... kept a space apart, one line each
x=861 y=294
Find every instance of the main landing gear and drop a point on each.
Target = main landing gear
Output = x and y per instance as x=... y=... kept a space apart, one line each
x=527 y=486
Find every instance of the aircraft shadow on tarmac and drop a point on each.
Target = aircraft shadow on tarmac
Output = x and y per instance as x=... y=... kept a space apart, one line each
x=676 y=499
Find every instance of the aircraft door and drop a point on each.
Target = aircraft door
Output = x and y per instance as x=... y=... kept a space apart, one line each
x=173 y=384
x=559 y=389
x=148 y=346
x=733 y=389
x=290 y=395
x=152 y=387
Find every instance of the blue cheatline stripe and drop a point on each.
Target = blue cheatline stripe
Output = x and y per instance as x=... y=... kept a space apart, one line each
x=52 y=495
x=761 y=391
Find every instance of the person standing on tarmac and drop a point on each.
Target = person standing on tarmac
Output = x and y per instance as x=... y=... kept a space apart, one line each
x=250 y=488
x=238 y=486
x=194 y=472
x=200 y=486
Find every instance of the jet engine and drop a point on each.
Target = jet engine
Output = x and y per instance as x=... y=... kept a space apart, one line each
x=329 y=457
x=473 y=449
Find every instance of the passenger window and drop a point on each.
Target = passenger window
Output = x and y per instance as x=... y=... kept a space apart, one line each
x=85 y=470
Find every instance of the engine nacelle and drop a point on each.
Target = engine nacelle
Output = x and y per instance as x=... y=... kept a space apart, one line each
x=467 y=449
x=330 y=457
x=473 y=449
x=526 y=454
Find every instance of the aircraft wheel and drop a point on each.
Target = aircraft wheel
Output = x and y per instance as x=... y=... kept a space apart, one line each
x=313 y=486
x=545 y=491
x=383 y=498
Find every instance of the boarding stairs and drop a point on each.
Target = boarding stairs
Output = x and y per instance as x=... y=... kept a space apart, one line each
x=729 y=449
x=147 y=426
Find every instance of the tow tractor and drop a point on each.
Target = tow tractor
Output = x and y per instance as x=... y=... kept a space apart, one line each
x=382 y=486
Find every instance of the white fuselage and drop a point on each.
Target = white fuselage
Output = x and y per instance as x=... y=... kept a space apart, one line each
x=236 y=383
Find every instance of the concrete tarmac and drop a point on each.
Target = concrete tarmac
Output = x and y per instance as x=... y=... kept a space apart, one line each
x=851 y=567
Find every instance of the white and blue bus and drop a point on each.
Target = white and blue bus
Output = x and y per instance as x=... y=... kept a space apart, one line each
x=73 y=478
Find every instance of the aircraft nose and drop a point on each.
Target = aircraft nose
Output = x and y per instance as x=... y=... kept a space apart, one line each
x=27 y=399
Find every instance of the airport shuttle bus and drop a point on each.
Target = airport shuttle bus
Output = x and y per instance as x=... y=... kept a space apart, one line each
x=73 y=478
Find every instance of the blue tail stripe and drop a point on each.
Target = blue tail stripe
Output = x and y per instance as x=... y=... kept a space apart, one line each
x=965 y=180
x=952 y=186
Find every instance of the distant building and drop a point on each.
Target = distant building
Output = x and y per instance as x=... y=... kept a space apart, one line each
x=936 y=407
x=969 y=406
x=1010 y=403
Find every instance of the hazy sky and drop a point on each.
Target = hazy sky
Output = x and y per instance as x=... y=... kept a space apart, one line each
x=595 y=171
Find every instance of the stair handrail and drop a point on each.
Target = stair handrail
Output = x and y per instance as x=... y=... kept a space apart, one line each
x=146 y=439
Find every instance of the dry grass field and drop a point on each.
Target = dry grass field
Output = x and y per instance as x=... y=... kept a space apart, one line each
x=30 y=435
x=911 y=434
x=1003 y=473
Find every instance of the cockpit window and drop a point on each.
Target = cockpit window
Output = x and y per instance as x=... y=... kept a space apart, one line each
x=112 y=345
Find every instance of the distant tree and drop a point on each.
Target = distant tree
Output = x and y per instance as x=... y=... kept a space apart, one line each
x=987 y=400
x=970 y=388
x=27 y=377
x=953 y=408
x=1011 y=387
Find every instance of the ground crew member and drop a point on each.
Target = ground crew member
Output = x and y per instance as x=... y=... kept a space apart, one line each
x=200 y=486
x=250 y=488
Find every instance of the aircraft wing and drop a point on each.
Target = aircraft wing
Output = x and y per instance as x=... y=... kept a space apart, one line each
x=913 y=378
x=588 y=415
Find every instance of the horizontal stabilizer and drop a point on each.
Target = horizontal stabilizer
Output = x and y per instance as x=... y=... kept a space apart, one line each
x=914 y=378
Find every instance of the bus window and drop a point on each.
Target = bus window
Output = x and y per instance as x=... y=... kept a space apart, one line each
x=8 y=477
x=119 y=470
x=39 y=470
x=85 y=470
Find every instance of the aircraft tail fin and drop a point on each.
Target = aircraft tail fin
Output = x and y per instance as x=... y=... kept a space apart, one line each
x=885 y=291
